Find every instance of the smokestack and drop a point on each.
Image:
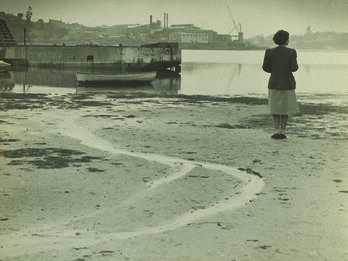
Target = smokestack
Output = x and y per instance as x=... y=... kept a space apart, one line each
x=150 y=19
x=165 y=16
x=164 y=22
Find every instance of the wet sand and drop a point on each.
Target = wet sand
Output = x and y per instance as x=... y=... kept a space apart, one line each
x=117 y=177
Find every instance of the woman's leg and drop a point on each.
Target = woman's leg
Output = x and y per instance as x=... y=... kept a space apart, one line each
x=283 y=122
x=276 y=120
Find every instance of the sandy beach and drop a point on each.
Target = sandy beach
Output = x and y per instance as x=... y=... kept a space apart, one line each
x=192 y=178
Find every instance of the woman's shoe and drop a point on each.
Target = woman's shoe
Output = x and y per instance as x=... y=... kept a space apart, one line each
x=282 y=136
x=276 y=136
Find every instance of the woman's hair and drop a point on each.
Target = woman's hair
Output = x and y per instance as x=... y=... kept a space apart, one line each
x=281 y=37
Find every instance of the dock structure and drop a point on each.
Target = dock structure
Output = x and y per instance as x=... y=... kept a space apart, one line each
x=6 y=38
x=88 y=57
x=156 y=56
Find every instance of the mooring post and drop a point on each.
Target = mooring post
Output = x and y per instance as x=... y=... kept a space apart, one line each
x=121 y=57
x=25 y=37
x=25 y=45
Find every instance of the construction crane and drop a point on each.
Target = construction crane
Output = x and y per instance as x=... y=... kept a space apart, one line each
x=236 y=32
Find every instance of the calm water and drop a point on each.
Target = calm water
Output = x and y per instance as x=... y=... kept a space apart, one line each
x=322 y=77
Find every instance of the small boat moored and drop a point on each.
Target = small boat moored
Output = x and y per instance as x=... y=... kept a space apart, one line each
x=4 y=67
x=140 y=77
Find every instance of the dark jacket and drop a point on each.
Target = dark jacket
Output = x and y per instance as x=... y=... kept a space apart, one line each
x=280 y=62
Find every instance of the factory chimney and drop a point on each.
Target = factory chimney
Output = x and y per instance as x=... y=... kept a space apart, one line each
x=165 y=24
x=150 y=19
x=167 y=21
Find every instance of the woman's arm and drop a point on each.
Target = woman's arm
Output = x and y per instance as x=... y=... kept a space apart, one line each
x=266 y=66
x=293 y=61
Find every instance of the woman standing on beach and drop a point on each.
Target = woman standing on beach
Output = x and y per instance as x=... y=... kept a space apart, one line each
x=280 y=62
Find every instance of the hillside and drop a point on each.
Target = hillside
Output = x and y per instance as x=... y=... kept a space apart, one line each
x=309 y=41
x=59 y=33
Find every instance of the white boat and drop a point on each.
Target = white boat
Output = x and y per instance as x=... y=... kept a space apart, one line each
x=4 y=67
x=124 y=78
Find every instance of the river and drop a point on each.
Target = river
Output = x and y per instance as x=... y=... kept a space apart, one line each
x=322 y=77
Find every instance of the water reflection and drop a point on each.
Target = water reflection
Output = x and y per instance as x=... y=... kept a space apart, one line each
x=6 y=82
x=244 y=79
x=236 y=70
x=126 y=90
x=215 y=78
x=64 y=81
x=165 y=83
x=216 y=73
x=54 y=78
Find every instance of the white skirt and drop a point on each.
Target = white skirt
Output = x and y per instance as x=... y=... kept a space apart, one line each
x=282 y=102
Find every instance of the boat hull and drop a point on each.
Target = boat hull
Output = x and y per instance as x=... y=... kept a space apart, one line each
x=121 y=78
x=4 y=67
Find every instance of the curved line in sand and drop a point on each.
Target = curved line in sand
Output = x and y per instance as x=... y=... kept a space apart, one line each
x=253 y=185
x=51 y=239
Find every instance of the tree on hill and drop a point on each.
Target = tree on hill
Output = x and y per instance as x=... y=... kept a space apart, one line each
x=308 y=31
x=29 y=14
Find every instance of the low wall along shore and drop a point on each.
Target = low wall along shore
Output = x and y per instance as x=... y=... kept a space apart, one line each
x=124 y=57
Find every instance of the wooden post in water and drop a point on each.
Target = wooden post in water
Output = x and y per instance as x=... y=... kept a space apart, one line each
x=121 y=57
x=25 y=44
x=25 y=37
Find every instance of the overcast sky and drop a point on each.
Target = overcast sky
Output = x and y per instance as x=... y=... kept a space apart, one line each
x=256 y=16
